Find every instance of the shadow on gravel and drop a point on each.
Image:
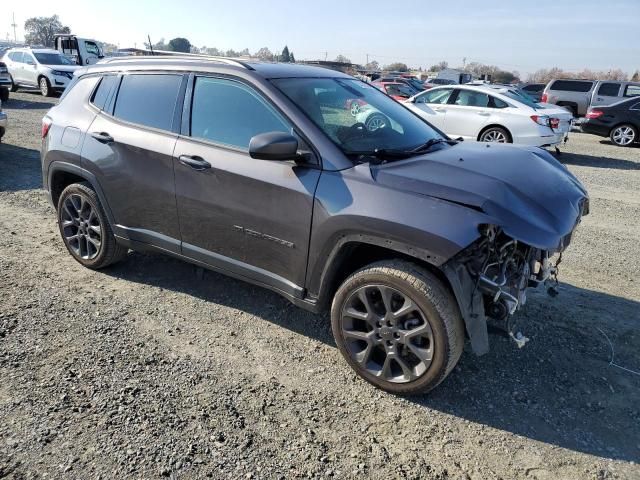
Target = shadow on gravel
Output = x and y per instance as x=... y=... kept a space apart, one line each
x=598 y=162
x=35 y=104
x=559 y=389
x=20 y=168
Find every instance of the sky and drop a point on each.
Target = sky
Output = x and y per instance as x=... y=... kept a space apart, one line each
x=512 y=34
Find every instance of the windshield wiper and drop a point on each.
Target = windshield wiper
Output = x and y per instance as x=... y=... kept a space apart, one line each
x=431 y=142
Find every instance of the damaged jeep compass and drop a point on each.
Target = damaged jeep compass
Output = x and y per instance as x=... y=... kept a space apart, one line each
x=265 y=172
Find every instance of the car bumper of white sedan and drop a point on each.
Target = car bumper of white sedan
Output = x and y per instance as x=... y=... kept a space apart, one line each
x=544 y=137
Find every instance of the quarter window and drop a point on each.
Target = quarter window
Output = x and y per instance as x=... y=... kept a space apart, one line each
x=438 y=97
x=231 y=113
x=609 y=89
x=632 y=91
x=16 y=56
x=148 y=100
x=101 y=95
x=497 y=103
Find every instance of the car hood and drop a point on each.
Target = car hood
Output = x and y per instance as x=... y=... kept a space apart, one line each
x=524 y=190
x=63 y=68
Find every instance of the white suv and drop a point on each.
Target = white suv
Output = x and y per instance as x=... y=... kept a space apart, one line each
x=41 y=68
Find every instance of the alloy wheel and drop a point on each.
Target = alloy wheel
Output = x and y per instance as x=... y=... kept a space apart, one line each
x=494 y=136
x=387 y=334
x=376 y=122
x=623 y=135
x=44 y=87
x=81 y=227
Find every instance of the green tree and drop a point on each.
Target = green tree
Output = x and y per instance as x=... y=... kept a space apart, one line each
x=373 y=65
x=264 y=54
x=42 y=30
x=292 y=59
x=180 y=44
x=397 y=67
x=439 y=66
x=285 y=56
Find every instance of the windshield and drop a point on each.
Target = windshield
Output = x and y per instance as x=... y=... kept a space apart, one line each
x=357 y=117
x=52 y=59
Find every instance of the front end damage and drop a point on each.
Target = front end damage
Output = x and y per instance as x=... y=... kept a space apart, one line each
x=490 y=279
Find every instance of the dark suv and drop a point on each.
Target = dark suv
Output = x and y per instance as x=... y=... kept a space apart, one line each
x=255 y=170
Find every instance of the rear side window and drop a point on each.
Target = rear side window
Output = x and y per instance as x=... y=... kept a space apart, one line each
x=101 y=95
x=497 y=103
x=632 y=90
x=571 y=86
x=468 y=98
x=148 y=100
x=230 y=113
x=609 y=89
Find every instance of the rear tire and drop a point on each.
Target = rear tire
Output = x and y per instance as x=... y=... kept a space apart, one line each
x=4 y=94
x=85 y=229
x=397 y=326
x=624 y=135
x=495 y=135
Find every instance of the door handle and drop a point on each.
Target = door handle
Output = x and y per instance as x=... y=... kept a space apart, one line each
x=440 y=109
x=102 y=137
x=195 y=162
x=484 y=114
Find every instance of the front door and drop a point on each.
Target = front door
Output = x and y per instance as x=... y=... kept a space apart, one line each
x=432 y=106
x=248 y=217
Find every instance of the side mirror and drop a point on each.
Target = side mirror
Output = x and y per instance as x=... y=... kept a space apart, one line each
x=274 y=146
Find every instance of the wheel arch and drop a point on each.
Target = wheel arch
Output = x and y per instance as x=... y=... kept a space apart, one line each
x=62 y=174
x=495 y=125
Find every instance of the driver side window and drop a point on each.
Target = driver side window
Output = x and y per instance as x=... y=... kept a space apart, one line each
x=438 y=97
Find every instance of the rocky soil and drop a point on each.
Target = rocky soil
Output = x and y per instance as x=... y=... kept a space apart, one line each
x=155 y=369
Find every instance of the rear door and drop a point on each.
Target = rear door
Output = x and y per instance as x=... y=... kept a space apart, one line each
x=29 y=69
x=606 y=93
x=129 y=147
x=432 y=105
x=468 y=111
x=17 y=67
x=247 y=217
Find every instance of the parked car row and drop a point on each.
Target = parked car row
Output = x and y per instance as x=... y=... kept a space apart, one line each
x=38 y=68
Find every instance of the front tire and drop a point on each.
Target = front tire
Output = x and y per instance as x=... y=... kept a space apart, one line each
x=85 y=229
x=398 y=327
x=45 y=87
x=14 y=87
x=623 y=135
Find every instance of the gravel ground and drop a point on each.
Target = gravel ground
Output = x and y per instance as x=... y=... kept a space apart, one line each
x=153 y=368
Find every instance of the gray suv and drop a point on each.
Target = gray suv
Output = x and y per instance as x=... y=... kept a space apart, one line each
x=259 y=171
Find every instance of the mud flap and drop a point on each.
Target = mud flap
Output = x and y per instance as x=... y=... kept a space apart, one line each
x=471 y=306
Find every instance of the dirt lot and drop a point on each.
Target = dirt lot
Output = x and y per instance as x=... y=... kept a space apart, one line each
x=152 y=369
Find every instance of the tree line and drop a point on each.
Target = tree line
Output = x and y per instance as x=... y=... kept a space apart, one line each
x=42 y=31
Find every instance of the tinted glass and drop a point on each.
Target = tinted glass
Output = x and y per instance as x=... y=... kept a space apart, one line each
x=521 y=97
x=497 y=103
x=571 y=85
x=230 y=113
x=467 y=98
x=148 y=100
x=16 y=56
x=399 y=90
x=101 y=94
x=92 y=48
x=379 y=122
x=534 y=88
x=632 y=90
x=438 y=97
x=609 y=89
x=28 y=59
x=52 y=59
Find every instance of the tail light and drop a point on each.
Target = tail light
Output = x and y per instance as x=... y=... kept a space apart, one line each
x=545 y=98
x=541 y=120
x=554 y=123
x=594 y=114
x=46 y=125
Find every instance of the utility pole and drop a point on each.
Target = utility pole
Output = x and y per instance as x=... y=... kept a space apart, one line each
x=464 y=62
x=14 y=25
x=325 y=56
x=367 y=59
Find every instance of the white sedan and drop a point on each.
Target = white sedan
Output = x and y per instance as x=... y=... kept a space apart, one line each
x=489 y=114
